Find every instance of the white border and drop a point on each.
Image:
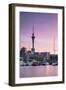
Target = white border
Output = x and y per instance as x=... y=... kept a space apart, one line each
x=41 y=79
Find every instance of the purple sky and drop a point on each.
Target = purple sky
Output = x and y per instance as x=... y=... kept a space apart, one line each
x=45 y=29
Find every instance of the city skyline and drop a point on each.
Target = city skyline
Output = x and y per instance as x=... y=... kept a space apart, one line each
x=45 y=30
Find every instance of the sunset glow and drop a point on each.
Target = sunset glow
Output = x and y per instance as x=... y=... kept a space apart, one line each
x=45 y=30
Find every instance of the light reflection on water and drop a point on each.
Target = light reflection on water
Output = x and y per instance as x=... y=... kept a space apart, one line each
x=38 y=71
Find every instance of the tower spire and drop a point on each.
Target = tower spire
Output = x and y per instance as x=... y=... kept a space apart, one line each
x=33 y=28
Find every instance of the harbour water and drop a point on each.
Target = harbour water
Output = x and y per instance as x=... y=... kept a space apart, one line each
x=38 y=71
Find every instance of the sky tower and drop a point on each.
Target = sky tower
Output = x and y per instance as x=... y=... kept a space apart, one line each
x=33 y=38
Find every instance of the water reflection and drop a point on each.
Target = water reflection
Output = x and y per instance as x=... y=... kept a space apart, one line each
x=38 y=71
